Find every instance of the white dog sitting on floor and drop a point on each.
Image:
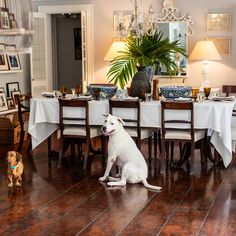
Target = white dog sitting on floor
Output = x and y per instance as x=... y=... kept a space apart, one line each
x=123 y=150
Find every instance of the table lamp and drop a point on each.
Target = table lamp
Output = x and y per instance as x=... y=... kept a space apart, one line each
x=205 y=51
x=115 y=50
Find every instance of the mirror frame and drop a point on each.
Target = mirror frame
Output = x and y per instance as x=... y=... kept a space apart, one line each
x=171 y=15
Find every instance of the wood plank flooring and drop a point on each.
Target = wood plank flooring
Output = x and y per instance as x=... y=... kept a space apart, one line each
x=74 y=202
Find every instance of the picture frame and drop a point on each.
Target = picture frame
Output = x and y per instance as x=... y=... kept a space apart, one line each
x=2 y=90
x=3 y=3
x=13 y=96
x=13 y=86
x=2 y=46
x=13 y=22
x=13 y=61
x=219 y=22
x=10 y=104
x=3 y=62
x=3 y=102
x=4 y=18
x=222 y=44
x=10 y=47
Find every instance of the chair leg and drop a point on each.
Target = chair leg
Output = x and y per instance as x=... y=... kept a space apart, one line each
x=155 y=144
x=86 y=154
x=61 y=153
x=150 y=148
x=192 y=158
x=159 y=141
x=171 y=152
x=163 y=153
x=104 y=149
x=22 y=134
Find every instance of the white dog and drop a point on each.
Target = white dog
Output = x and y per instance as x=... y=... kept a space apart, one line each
x=123 y=150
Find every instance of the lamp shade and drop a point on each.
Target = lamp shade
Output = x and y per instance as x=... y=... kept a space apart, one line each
x=205 y=50
x=115 y=50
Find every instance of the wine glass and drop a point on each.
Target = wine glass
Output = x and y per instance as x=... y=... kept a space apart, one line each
x=207 y=91
x=77 y=89
x=63 y=90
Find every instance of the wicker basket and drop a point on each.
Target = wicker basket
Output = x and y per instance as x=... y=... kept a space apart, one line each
x=9 y=132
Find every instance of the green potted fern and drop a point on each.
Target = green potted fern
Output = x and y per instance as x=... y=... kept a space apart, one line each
x=144 y=51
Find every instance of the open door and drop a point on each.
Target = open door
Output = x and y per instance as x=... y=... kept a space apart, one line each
x=41 y=55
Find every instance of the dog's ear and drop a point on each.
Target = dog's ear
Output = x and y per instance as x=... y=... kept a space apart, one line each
x=18 y=157
x=120 y=120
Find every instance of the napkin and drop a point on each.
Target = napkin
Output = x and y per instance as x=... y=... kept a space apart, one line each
x=47 y=94
x=182 y=99
x=85 y=97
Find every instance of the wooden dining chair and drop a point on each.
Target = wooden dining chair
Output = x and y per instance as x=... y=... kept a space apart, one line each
x=179 y=130
x=76 y=127
x=122 y=109
x=23 y=103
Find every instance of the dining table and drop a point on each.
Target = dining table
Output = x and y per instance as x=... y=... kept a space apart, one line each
x=212 y=115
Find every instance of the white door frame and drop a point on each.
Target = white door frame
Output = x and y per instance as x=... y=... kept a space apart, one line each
x=77 y=8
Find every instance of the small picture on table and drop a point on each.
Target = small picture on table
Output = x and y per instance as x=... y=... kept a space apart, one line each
x=3 y=102
x=13 y=61
x=3 y=62
x=12 y=87
x=2 y=90
x=4 y=18
x=10 y=103
x=13 y=95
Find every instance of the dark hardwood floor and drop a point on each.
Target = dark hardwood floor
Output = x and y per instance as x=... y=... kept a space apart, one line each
x=74 y=202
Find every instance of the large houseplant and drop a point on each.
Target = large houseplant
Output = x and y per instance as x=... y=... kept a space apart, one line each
x=146 y=50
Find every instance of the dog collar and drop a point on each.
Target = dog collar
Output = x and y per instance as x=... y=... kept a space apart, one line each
x=13 y=167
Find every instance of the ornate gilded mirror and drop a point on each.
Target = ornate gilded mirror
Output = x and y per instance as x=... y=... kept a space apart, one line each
x=175 y=26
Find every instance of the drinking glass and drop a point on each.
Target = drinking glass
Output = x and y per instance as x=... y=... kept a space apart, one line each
x=207 y=91
x=195 y=92
x=63 y=90
x=77 y=89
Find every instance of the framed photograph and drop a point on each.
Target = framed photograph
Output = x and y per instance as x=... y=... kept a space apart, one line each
x=222 y=44
x=122 y=22
x=2 y=90
x=10 y=104
x=13 y=23
x=3 y=62
x=219 y=22
x=13 y=96
x=4 y=18
x=2 y=46
x=3 y=102
x=10 y=47
x=13 y=61
x=3 y=3
x=12 y=87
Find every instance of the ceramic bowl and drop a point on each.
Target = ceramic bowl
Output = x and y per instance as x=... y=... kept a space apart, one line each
x=172 y=92
x=106 y=90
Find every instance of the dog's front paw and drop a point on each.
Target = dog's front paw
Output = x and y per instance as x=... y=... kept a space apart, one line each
x=102 y=179
x=10 y=185
x=18 y=184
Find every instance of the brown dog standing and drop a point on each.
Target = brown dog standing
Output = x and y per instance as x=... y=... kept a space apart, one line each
x=15 y=168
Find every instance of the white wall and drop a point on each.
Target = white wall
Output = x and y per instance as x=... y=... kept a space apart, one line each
x=223 y=72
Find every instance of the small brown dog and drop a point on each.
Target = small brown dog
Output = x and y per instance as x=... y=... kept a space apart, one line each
x=15 y=168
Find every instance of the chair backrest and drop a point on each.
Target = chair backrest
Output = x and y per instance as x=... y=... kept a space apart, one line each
x=127 y=105
x=228 y=89
x=176 y=123
x=67 y=119
x=23 y=103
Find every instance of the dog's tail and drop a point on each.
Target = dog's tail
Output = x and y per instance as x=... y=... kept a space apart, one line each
x=147 y=185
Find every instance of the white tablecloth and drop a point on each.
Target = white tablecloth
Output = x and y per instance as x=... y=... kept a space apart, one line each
x=44 y=119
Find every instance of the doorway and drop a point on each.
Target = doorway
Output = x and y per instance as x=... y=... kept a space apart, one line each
x=66 y=50
x=42 y=59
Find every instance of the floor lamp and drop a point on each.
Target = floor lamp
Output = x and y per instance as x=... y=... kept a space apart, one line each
x=205 y=51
